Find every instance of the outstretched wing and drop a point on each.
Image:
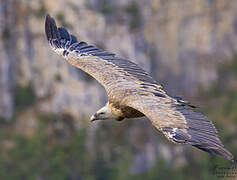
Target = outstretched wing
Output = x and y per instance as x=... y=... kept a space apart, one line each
x=128 y=85
x=180 y=124
x=115 y=74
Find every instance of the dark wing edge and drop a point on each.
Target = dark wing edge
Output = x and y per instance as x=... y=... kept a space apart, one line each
x=64 y=43
x=200 y=133
x=51 y=30
x=183 y=102
x=182 y=125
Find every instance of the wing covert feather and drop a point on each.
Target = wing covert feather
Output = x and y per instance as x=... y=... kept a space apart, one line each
x=180 y=124
x=118 y=76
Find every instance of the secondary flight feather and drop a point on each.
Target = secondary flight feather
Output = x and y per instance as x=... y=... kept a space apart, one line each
x=133 y=93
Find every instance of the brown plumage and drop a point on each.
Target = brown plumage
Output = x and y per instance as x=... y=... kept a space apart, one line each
x=133 y=93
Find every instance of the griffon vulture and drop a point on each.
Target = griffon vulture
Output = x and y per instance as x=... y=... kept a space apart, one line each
x=133 y=93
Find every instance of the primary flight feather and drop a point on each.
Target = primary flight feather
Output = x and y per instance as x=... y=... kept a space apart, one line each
x=133 y=93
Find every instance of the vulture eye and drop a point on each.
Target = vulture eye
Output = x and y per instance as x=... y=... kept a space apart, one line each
x=102 y=113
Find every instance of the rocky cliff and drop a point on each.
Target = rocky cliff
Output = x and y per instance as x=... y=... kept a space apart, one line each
x=175 y=41
x=180 y=43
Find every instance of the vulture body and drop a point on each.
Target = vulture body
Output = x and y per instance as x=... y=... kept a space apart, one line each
x=133 y=93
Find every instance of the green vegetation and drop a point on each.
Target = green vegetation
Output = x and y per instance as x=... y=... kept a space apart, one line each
x=133 y=11
x=112 y=11
x=223 y=95
x=58 y=150
x=24 y=96
x=58 y=78
x=47 y=156
x=106 y=7
x=40 y=13
x=61 y=19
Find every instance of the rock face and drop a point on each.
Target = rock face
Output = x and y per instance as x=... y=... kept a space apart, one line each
x=9 y=58
x=179 y=42
x=191 y=37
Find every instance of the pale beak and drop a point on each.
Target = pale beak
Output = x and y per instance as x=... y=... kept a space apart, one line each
x=94 y=118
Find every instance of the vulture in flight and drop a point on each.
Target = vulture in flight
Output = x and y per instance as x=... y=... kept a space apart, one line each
x=133 y=93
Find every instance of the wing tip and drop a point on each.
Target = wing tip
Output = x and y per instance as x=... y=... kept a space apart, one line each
x=203 y=134
x=51 y=29
x=219 y=150
x=47 y=27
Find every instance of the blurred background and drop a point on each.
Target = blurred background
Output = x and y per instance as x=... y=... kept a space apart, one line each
x=189 y=46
